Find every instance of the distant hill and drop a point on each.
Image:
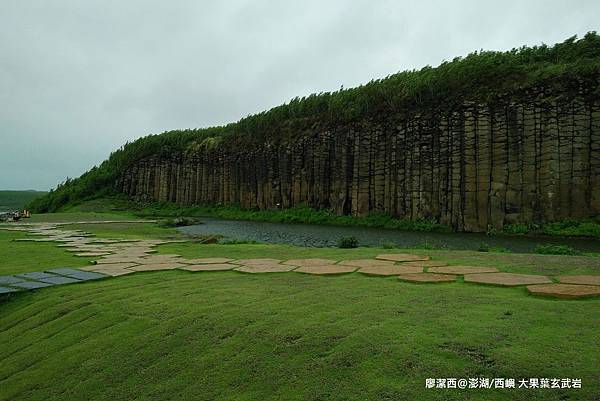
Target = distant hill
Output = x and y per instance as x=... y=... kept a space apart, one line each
x=14 y=200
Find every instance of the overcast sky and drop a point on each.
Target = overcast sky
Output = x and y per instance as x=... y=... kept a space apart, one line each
x=80 y=78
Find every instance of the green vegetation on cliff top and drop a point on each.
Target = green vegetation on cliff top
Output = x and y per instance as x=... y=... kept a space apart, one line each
x=480 y=76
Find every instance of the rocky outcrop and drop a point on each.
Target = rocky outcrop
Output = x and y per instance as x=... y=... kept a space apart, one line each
x=475 y=165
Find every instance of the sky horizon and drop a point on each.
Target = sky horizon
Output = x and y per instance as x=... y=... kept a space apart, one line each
x=82 y=80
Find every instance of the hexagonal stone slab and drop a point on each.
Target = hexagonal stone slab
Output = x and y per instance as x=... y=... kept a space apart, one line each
x=6 y=290
x=35 y=275
x=31 y=285
x=258 y=262
x=209 y=267
x=564 y=290
x=427 y=277
x=59 y=280
x=401 y=257
x=201 y=261
x=109 y=266
x=462 y=269
x=156 y=266
x=326 y=269
x=366 y=263
x=266 y=268
x=506 y=279
x=425 y=263
x=390 y=270
x=580 y=279
x=309 y=262
x=10 y=279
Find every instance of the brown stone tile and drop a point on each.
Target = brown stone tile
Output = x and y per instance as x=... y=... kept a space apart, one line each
x=366 y=263
x=427 y=277
x=157 y=266
x=209 y=267
x=564 y=290
x=580 y=279
x=258 y=262
x=265 y=268
x=309 y=262
x=390 y=270
x=425 y=263
x=201 y=261
x=401 y=257
x=326 y=269
x=462 y=269
x=506 y=279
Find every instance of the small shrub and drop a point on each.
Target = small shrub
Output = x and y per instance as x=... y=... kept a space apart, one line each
x=348 y=242
x=556 y=250
x=483 y=247
x=388 y=245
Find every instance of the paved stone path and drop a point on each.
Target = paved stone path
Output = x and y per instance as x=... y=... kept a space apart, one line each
x=117 y=257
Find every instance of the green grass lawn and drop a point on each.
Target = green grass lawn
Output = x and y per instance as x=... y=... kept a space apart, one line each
x=176 y=335
x=229 y=336
x=22 y=257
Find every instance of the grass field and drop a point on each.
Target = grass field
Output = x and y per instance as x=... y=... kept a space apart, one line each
x=16 y=200
x=176 y=335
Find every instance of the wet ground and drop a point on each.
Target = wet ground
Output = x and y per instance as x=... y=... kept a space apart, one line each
x=325 y=236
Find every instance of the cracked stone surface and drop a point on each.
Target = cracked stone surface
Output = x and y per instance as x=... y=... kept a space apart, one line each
x=427 y=277
x=209 y=267
x=401 y=257
x=366 y=263
x=564 y=290
x=326 y=269
x=580 y=279
x=506 y=279
x=309 y=262
x=390 y=270
x=462 y=269
x=59 y=280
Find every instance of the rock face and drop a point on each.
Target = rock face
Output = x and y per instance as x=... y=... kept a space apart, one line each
x=533 y=155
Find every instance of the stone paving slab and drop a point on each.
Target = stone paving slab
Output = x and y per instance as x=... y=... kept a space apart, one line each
x=85 y=254
x=390 y=270
x=568 y=291
x=201 y=261
x=266 y=268
x=580 y=279
x=157 y=266
x=366 y=263
x=462 y=269
x=85 y=276
x=258 y=262
x=209 y=267
x=114 y=272
x=63 y=271
x=35 y=275
x=506 y=279
x=10 y=279
x=309 y=262
x=326 y=269
x=109 y=266
x=31 y=285
x=427 y=277
x=6 y=290
x=401 y=257
x=425 y=263
x=59 y=280
x=111 y=260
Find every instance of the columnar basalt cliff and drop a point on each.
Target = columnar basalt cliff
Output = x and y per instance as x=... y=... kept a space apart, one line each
x=529 y=156
x=477 y=143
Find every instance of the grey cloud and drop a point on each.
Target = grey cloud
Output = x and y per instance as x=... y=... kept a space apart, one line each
x=79 y=79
